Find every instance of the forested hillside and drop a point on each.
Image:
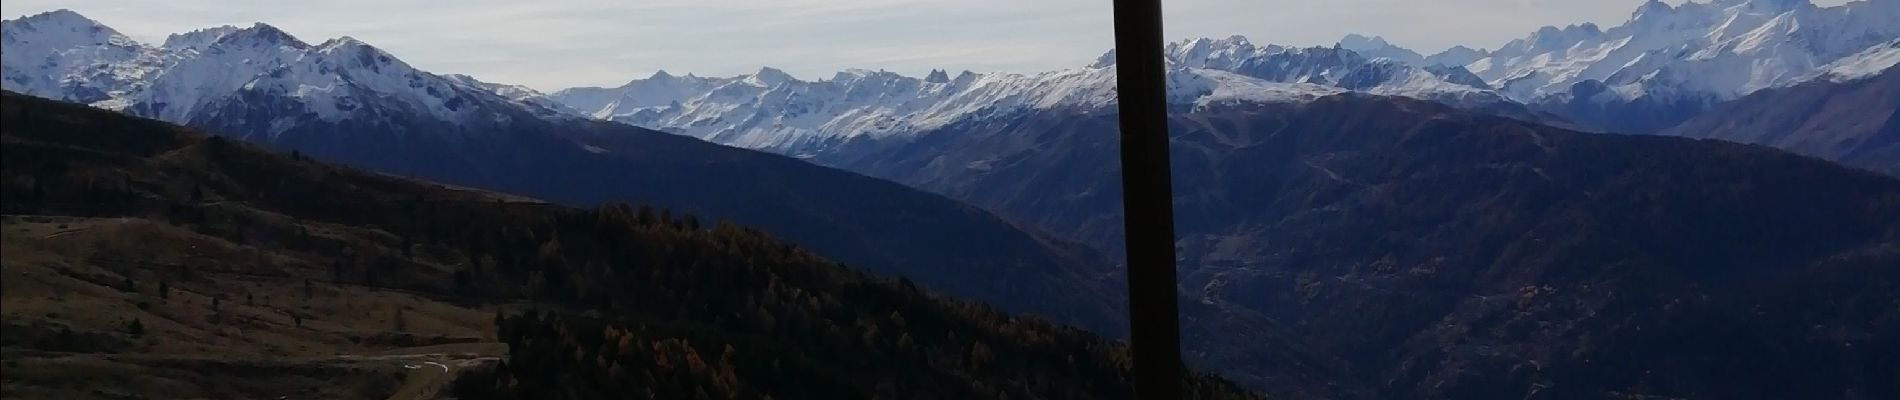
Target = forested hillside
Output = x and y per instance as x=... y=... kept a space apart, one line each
x=1439 y=253
x=619 y=302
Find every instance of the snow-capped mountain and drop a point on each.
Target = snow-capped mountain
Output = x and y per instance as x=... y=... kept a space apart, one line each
x=1377 y=47
x=344 y=101
x=1686 y=56
x=197 y=40
x=63 y=55
x=1850 y=114
x=772 y=110
x=544 y=106
x=1339 y=67
x=197 y=76
x=1661 y=67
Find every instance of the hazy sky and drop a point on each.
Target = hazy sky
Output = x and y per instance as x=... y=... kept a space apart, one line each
x=551 y=44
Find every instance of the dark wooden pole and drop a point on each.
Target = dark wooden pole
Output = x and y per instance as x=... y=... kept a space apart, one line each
x=1147 y=199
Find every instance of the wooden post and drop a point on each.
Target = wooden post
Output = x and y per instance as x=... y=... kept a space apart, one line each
x=1147 y=199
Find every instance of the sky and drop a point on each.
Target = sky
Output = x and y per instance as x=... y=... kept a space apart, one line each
x=554 y=44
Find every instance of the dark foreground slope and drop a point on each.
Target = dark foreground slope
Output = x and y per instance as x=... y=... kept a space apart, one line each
x=1854 y=122
x=678 y=307
x=1440 y=254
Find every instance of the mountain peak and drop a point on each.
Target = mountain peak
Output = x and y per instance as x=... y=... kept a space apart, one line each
x=197 y=39
x=1651 y=9
x=1463 y=48
x=1376 y=47
x=68 y=25
x=1209 y=45
x=267 y=29
x=1210 y=53
x=341 y=41
x=1106 y=60
x=260 y=34
x=1456 y=56
x=1357 y=40
x=658 y=77
x=358 y=52
x=1551 y=37
x=1587 y=28
x=965 y=77
x=345 y=43
x=938 y=76
x=768 y=76
x=61 y=16
x=850 y=74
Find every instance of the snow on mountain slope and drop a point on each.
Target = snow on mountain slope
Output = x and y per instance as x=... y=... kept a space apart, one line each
x=205 y=72
x=1222 y=54
x=198 y=75
x=1720 y=49
x=1210 y=87
x=521 y=94
x=774 y=111
x=768 y=110
x=63 y=55
x=1873 y=61
x=659 y=90
x=1456 y=56
x=198 y=39
x=334 y=77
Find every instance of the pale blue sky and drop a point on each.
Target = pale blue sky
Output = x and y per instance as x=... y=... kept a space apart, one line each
x=553 y=44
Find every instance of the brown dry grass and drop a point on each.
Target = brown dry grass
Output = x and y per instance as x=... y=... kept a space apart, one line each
x=235 y=321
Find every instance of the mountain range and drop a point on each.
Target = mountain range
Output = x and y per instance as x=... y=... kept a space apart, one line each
x=1356 y=221
x=1849 y=113
x=1668 y=63
x=348 y=102
x=1664 y=66
x=770 y=110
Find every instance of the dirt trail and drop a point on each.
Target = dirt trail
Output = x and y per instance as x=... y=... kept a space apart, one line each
x=430 y=375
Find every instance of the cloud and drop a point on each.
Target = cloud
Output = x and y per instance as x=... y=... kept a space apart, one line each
x=553 y=44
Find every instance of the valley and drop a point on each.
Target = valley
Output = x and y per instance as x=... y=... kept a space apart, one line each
x=399 y=300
